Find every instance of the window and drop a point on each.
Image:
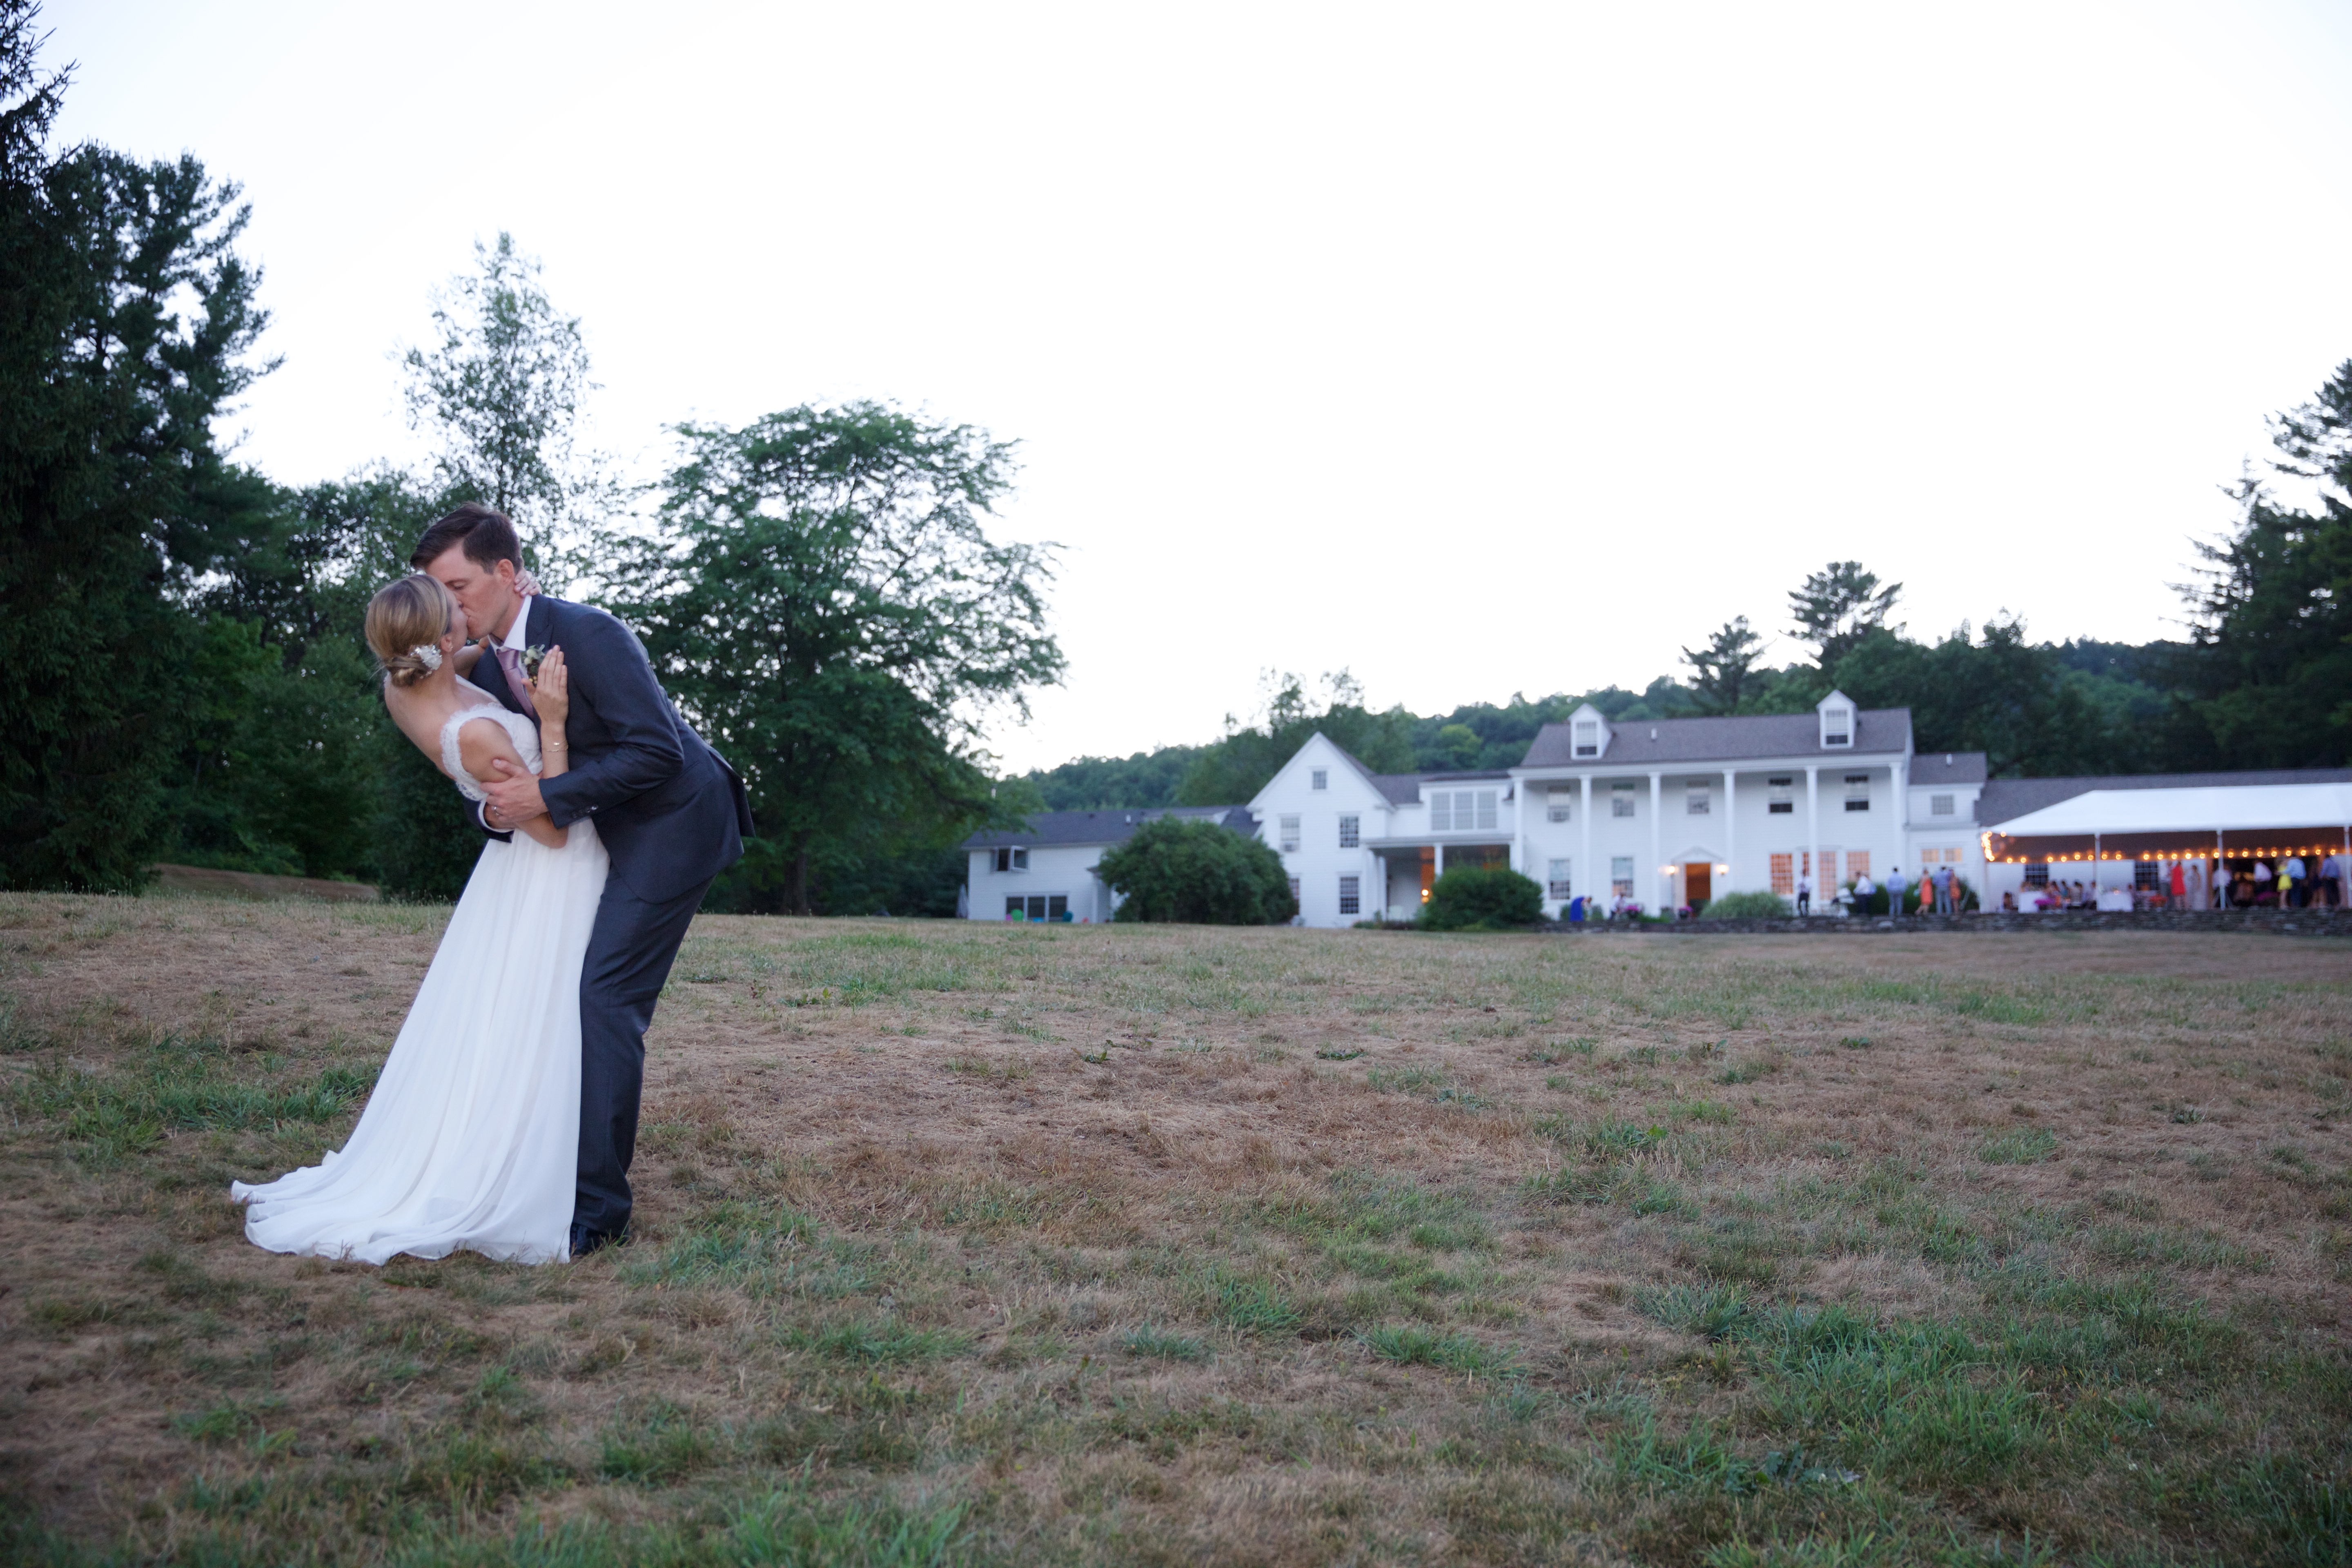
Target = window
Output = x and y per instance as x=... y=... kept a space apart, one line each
x=1289 y=834
x=1588 y=737
x=1349 y=897
x=1620 y=798
x=1038 y=907
x=1784 y=874
x=1695 y=798
x=2147 y=875
x=1620 y=875
x=1837 y=726
x=1780 y=796
x=1561 y=796
x=1558 y=884
x=1012 y=859
x=1857 y=792
x=1293 y=892
x=1857 y=864
x=2037 y=874
x=1461 y=810
x=1939 y=805
x=1348 y=832
x=1319 y=779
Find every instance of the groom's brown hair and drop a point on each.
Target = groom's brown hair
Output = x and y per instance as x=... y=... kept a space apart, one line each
x=489 y=538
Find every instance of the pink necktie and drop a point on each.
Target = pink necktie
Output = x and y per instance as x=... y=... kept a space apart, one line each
x=510 y=662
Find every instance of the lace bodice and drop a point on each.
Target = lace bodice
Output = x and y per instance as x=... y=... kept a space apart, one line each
x=524 y=732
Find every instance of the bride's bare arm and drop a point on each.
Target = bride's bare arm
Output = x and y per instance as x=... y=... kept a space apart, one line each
x=550 y=695
x=484 y=741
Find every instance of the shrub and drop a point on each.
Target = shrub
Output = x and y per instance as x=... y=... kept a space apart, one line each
x=1198 y=872
x=1743 y=907
x=1482 y=897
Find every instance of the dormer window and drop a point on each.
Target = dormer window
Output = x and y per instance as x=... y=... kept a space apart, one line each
x=1836 y=712
x=1588 y=737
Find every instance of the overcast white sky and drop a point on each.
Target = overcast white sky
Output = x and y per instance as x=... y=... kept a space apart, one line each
x=1477 y=349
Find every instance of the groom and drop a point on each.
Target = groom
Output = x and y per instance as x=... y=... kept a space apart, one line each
x=671 y=813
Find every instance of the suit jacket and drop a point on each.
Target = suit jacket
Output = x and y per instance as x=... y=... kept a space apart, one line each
x=670 y=811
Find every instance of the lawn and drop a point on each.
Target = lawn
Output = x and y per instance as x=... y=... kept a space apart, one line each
x=976 y=1244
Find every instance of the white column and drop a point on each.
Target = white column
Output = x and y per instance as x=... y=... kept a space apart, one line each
x=1813 y=831
x=1520 y=829
x=1657 y=842
x=1582 y=874
x=1731 y=831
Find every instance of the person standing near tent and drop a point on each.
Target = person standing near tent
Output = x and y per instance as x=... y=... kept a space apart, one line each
x=1805 y=894
x=2180 y=888
x=1945 y=903
x=1894 y=888
x=2292 y=886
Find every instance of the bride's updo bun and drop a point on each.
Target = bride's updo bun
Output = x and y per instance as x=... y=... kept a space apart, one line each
x=405 y=622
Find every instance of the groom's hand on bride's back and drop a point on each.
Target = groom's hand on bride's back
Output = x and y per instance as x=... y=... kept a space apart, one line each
x=513 y=794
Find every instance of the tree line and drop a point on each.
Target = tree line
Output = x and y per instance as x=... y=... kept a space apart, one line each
x=2262 y=678
x=184 y=677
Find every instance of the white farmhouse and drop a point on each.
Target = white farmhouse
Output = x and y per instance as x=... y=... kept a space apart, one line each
x=1660 y=812
x=1669 y=813
x=1045 y=870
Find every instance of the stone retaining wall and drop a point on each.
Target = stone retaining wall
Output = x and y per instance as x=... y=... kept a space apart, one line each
x=2295 y=922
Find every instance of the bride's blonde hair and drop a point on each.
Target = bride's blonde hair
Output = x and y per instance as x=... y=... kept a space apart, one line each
x=405 y=622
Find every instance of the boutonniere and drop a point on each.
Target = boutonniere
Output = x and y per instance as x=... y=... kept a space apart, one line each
x=530 y=657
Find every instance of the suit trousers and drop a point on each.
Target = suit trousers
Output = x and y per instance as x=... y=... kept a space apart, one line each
x=629 y=956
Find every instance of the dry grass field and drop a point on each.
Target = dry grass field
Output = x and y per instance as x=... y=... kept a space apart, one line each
x=972 y=1244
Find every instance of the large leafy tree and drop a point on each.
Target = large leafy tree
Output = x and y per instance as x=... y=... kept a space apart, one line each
x=126 y=322
x=502 y=390
x=2268 y=678
x=1238 y=765
x=1725 y=666
x=821 y=596
x=1838 y=606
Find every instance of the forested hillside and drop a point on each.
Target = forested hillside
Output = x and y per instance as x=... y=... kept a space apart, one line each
x=182 y=675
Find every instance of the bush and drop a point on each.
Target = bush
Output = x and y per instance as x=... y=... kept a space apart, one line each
x=1743 y=907
x=1482 y=897
x=1198 y=872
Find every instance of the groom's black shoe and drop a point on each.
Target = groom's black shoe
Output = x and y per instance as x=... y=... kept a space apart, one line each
x=586 y=1241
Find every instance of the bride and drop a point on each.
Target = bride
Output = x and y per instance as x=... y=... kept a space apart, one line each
x=471 y=1138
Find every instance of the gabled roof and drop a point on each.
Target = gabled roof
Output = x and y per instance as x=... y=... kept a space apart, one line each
x=2005 y=800
x=1664 y=741
x=1947 y=768
x=1048 y=828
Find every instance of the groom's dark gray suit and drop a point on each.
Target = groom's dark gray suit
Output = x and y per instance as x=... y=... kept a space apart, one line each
x=672 y=814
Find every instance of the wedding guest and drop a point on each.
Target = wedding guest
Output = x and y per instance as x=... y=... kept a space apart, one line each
x=2291 y=884
x=1805 y=894
x=1894 y=889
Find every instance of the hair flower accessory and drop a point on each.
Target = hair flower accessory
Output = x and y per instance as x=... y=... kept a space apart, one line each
x=427 y=655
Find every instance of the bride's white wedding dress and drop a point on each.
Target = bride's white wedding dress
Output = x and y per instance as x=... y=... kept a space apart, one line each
x=471 y=1139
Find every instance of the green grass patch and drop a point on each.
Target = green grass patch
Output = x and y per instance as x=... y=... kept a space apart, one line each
x=2019 y=1146
x=1414 y=1346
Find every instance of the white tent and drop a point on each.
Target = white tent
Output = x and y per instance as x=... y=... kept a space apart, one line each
x=2198 y=809
x=2191 y=822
